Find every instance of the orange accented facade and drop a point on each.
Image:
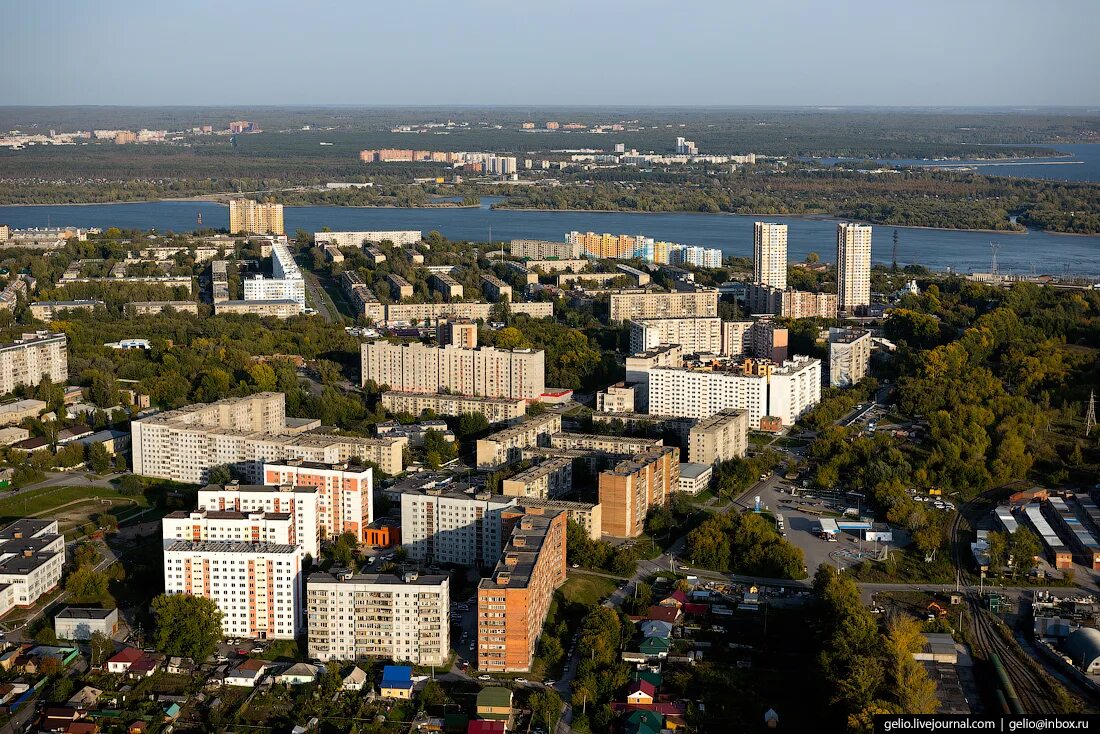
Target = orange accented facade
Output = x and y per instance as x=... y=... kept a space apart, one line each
x=634 y=486
x=513 y=602
x=344 y=494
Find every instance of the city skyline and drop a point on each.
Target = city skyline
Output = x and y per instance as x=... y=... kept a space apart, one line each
x=1008 y=64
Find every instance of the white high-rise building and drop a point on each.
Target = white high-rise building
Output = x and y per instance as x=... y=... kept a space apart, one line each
x=32 y=359
x=484 y=371
x=230 y=525
x=445 y=526
x=345 y=502
x=762 y=389
x=256 y=586
x=299 y=503
x=286 y=283
x=853 y=266
x=769 y=252
x=849 y=356
x=379 y=615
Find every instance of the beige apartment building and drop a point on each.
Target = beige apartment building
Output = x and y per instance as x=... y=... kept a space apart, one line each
x=615 y=399
x=152 y=308
x=495 y=410
x=219 y=281
x=487 y=371
x=253 y=217
x=49 y=310
x=793 y=304
x=723 y=436
x=33 y=358
x=354 y=616
x=697 y=335
x=495 y=289
x=647 y=304
x=457 y=333
x=546 y=480
x=506 y=446
x=280 y=308
x=586 y=514
x=445 y=285
x=513 y=602
x=183 y=445
x=770 y=254
x=14 y=413
x=399 y=287
x=362 y=299
x=624 y=445
x=849 y=356
x=545 y=250
x=635 y=486
x=853 y=266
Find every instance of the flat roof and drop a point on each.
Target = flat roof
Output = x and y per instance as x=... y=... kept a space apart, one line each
x=223 y=546
x=387 y=579
x=694 y=471
x=85 y=613
x=518 y=561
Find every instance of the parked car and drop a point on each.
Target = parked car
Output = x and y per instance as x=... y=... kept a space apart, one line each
x=485 y=677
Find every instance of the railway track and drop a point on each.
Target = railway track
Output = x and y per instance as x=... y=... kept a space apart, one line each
x=1035 y=689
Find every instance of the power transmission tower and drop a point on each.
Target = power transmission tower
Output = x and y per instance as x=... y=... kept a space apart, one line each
x=895 y=258
x=1090 y=415
x=993 y=247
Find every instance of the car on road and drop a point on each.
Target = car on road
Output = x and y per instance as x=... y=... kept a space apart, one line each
x=485 y=677
x=549 y=683
x=521 y=680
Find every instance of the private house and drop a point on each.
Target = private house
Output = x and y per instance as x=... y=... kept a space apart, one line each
x=655 y=628
x=396 y=682
x=354 y=680
x=640 y=692
x=300 y=674
x=495 y=704
x=654 y=647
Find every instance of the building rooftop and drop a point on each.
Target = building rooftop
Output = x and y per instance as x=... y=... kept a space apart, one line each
x=224 y=546
x=84 y=613
x=226 y=515
x=640 y=461
x=518 y=559
x=25 y=528
x=272 y=488
x=386 y=579
x=694 y=471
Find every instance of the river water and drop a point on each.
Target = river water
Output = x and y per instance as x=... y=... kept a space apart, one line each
x=958 y=250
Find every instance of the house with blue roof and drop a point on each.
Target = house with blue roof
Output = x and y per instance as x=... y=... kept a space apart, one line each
x=396 y=682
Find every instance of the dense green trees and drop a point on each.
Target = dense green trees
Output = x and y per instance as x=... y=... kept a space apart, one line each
x=187 y=626
x=744 y=543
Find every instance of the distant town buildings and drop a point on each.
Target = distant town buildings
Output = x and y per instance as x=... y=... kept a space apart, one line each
x=853 y=266
x=34 y=357
x=623 y=246
x=849 y=356
x=253 y=217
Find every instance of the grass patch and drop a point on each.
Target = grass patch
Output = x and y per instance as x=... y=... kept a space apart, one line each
x=906 y=566
x=50 y=498
x=586 y=589
x=282 y=650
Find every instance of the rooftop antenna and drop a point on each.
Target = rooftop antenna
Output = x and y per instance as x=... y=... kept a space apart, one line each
x=895 y=265
x=1090 y=415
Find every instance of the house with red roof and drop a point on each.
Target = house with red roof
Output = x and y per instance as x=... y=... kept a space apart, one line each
x=485 y=726
x=121 y=661
x=663 y=614
x=640 y=691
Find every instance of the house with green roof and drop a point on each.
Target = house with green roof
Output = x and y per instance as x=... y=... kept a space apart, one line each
x=495 y=704
x=643 y=722
x=655 y=647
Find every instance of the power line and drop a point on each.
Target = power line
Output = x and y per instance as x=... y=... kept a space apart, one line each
x=1090 y=415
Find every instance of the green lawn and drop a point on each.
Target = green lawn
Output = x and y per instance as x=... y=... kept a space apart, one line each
x=585 y=589
x=50 y=498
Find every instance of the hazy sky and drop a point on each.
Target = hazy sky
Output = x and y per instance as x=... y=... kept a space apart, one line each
x=593 y=52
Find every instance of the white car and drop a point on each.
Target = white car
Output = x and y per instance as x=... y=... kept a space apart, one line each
x=521 y=680
x=485 y=677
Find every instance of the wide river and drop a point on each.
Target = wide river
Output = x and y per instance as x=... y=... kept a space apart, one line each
x=962 y=251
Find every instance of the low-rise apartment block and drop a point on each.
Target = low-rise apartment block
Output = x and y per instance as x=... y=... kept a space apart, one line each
x=445 y=285
x=586 y=514
x=49 y=310
x=635 y=486
x=219 y=281
x=183 y=445
x=762 y=299
x=557 y=266
x=457 y=333
x=495 y=410
x=256 y=586
x=32 y=555
x=615 y=445
x=495 y=289
x=442 y=525
x=545 y=250
x=357 y=239
x=547 y=480
x=625 y=305
x=399 y=287
x=615 y=399
x=282 y=308
x=506 y=446
x=354 y=616
x=152 y=308
x=364 y=304
x=80 y=623
x=498 y=373
x=345 y=493
x=723 y=436
x=849 y=356
x=14 y=413
x=513 y=602
x=301 y=504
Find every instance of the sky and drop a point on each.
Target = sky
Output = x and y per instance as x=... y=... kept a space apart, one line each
x=556 y=52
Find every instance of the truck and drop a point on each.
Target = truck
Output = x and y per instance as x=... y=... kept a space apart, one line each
x=779 y=522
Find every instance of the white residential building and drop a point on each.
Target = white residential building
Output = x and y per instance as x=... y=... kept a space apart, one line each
x=32 y=555
x=853 y=266
x=445 y=526
x=32 y=359
x=237 y=527
x=285 y=284
x=784 y=391
x=695 y=335
x=299 y=503
x=484 y=371
x=256 y=586
x=356 y=239
x=379 y=615
x=770 y=254
x=345 y=495
x=849 y=356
